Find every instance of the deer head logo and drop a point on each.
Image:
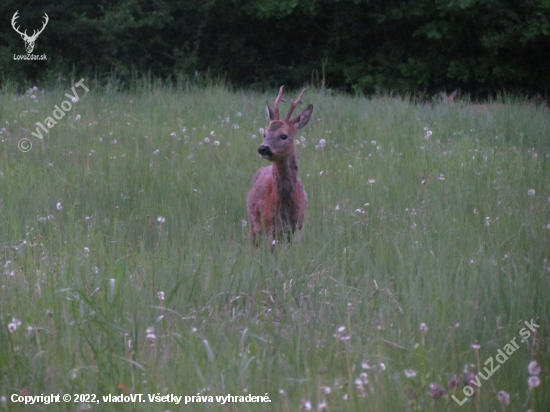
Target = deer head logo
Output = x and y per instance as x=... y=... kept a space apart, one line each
x=29 y=40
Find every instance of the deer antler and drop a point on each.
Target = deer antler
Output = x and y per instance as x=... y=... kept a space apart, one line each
x=293 y=104
x=277 y=100
x=36 y=33
x=15 y=16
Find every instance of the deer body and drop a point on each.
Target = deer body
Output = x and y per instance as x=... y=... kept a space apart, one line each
x=450 y=100
x=277 y=200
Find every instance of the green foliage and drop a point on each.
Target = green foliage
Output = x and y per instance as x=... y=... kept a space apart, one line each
x=481 y=47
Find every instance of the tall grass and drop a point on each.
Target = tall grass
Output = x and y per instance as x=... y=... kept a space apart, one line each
x=125 y=258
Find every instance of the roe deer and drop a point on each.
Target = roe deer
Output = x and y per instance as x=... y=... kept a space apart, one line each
x=277 y=200
x=450 y=99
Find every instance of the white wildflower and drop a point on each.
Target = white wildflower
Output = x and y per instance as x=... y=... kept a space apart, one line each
x=410 y=373
x=533 y=381
x=533 y=368
x=503 y=397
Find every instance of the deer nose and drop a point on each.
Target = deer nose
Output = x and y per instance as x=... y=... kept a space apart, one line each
x=264 y=150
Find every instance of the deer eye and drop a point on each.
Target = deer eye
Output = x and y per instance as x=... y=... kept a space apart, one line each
x=283 y=137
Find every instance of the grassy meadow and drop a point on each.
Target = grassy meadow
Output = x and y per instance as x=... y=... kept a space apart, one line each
x=126 y=265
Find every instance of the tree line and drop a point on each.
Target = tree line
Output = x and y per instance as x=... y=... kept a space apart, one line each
x=414 y=46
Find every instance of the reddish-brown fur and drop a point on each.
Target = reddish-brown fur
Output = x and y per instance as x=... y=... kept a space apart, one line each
x=450 y=100
x=277 y=200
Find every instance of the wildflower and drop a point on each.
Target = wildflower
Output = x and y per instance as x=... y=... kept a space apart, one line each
x=321 y=144
x=156 y=152
x=531 y=192
x=337 y=207
x=322 y=406
x=359 y=210
x=475 y=345
x=151 y=337
x=339 y=334
x=503 y=397
x=410 y=373
x=423 y=327
x=213 y=133
x=77 y=117
x=437 y=390
x=12 y=327
x=360 y=388
x=160 y=295
x=365 y=364
x=453 y=381
x=487 y=221
x=239 y=114
x=261 y=130
x=533 y=381
x=427 y=133
x=325 y=389
x=305 y=405
x=86 y=250
x=373 y=142
x=206 y=139
x=364 y=377
x=382 y=366
x=253 y=136
x=371 y=181
x=58 y=206
x=533 y=368
x=161 y=219
x=216 y=143
x=243 y=223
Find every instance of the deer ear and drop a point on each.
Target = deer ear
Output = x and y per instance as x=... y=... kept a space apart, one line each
x=302 y=119
x=270 y=113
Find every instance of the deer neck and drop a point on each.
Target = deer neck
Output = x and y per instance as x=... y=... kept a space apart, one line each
x=285 y=175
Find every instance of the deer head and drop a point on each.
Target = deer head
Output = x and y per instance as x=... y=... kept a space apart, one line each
x=29 y=40
x=278 y=141
x=449 y=99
